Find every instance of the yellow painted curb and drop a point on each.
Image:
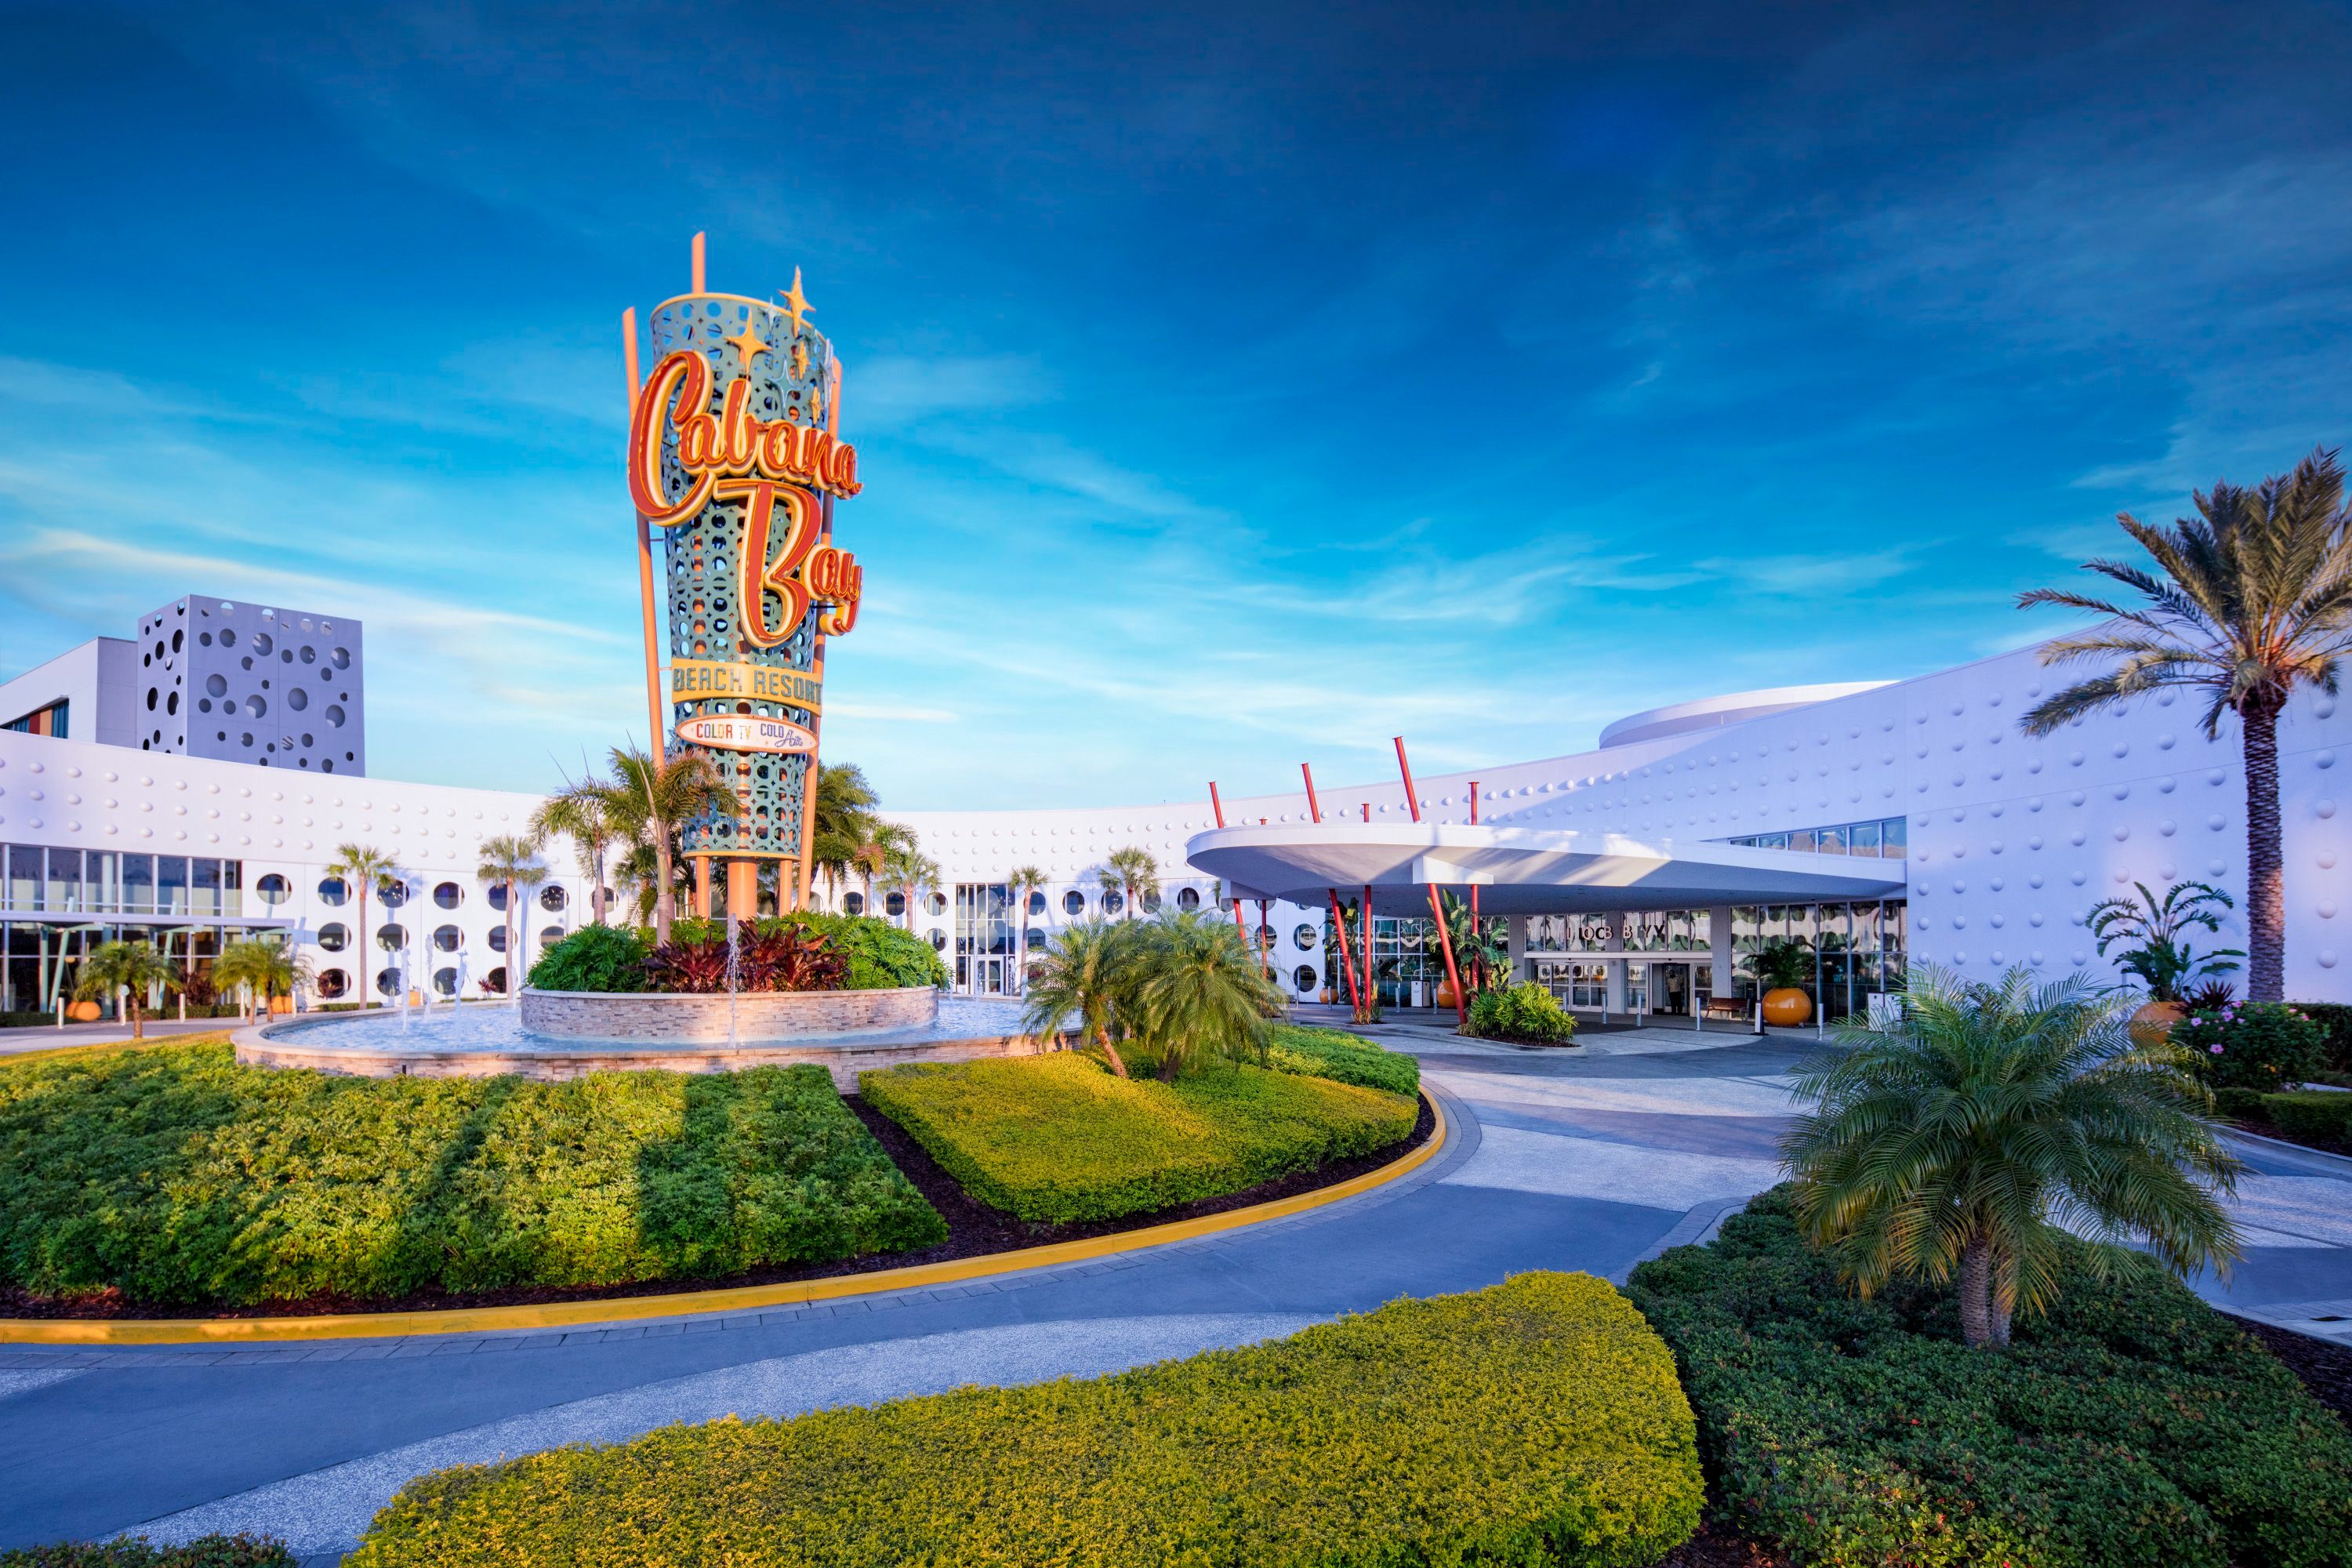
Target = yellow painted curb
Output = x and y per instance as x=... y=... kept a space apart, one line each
x=739 y=1299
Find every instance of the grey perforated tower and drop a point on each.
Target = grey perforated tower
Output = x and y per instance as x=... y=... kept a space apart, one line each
x=252 y=683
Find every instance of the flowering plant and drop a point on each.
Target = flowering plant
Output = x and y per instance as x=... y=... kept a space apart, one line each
x=2261 y=1046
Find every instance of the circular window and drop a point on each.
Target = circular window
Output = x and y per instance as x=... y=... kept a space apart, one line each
x=894 y=905
x=446 y=938
x=938 y=942
x=391 y=938
x=1113 y=901
x=497 y=939
x=549 y=935
x=1151 y=902
x=1302 y=979
x=1188 y=898
x=342 y=657
x=1036 y=938
x=392 y=892
x=552 y=898
x=497 y=897
x=333 y=891
x=444 y=980
x=1073 y=902
x=1306 y=938
x=334 y=936
x=273 y=889
x=854 y=904
x=448 y=895
x=496 y=980
x=262 y=645
x=387 y=982
x=935 y=903
x=332 y=983
x=1036 y=904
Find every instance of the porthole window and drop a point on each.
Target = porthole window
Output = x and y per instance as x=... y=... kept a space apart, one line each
x=1037 y=938
x=448 y=895
x=1151 y=902
x=1306 y=938
x=552 y=898
x=333 y=891
x=938 y=942
x=1113 y=901
x=497 y=897
x=387 y=982
x=549 y=935
x=392 y=892
x=332 y=983
x=894 y=905
x=854 y=904
x=1073 y=902
x=496 y=980
x=1188 y=898
x=446 y=938
x=444 y=980
x=391 y=938
x=1302 y=979
x=334 y=936
x=497 y=939
x=935 y=903
x=273 y=889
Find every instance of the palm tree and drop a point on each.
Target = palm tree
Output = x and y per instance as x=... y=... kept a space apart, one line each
x=1084 y=973
x=262 y=968
x=512 y=861
x=1133 y=869
x=2254 y=599
x=844 y=814
x=871 y=858
x=132 y=967
x=1200 y=990
x=907 y=871
x=2161 y=956
x=1025 y=881
x=582 y=812
x=650 y=800
x=362 y=868
x=1988 y=1123
x=638 y=869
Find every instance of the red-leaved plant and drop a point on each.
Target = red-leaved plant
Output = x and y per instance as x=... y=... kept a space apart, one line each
x=693 y=966
x=792 y=959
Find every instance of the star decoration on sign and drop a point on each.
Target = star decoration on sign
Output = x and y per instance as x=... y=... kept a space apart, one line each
x=795 y=301
x=800 y=361
x=749 y=343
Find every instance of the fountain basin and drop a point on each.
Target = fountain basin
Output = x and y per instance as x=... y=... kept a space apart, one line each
x=678 y=1019
x=484 y=1039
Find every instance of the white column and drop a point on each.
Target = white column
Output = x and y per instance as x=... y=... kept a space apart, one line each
x=1718 y=946
x=1515 y=939
x=1616 y=943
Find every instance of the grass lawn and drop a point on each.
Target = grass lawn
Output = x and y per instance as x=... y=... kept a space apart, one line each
x=1058 y=1138
x=172 y=1174
x=1342 y=1057
x=1537 y=1422
x=2132 y=1424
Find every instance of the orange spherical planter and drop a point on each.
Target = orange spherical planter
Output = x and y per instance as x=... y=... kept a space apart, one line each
x=1787 y=1007
x=2153 y=1023
x=1445 y=993
x=83 y=1012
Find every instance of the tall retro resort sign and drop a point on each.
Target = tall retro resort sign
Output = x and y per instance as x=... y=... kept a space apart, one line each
x=735 y=460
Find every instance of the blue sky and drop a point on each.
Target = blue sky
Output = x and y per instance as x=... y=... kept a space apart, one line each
x=1235 y=386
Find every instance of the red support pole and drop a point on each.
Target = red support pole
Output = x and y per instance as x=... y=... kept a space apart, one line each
x=1314 y=806
x=1444 y=936
x=1215 y=805
x=1364 y=930
x=1412 y=801
x=1346 y=959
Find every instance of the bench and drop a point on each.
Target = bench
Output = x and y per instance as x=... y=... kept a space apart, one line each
x=1727 y=1008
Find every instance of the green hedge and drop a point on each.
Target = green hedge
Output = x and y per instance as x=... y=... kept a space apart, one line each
x=1537 y=1422
x=2131 y=1425
x=1341 y=1057
x=204 y=1552
x=594 y=958
x=1523 y=1012
x=2325 y=1114
x=176 y=1175
x=1059 y=1138
x=2335 y=1019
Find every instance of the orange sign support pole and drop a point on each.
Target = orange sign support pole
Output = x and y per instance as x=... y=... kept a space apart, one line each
x=656 y=734
x=816 y=672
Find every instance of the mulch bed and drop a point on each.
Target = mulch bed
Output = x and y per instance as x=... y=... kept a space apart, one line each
x=1720 y=1546
x=974 y=1230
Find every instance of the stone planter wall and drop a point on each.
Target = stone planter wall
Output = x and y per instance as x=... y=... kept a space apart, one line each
x=667 y=1019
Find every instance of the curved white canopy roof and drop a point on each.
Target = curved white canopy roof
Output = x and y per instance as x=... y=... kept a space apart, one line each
x=1522 y=870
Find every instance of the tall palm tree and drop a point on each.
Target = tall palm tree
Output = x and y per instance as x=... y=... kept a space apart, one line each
x=1083 y=973
x=511 y=862
x=263 y=968
x=653 y=798
x=1200 y=991
x=2254 y=599
x=582 y=812
x=1135 y=871
x=132 y=968
x=845 y=816
x=1025 y=881
x=907 y=872
x=1991 y=1120
x=871 y=859
x=362 y=868
x=638 y=869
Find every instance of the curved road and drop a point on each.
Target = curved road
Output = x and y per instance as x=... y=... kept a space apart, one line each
x=1584 y=1160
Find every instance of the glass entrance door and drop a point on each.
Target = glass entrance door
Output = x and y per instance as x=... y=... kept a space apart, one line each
x=984 y=938
x=1670 y=989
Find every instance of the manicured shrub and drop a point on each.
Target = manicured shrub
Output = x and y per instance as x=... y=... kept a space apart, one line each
x=2237 y=1104
x=2335 y=1019
x=2130 y=1425
x=1537 y=1422
x=881 y=956
x=175 y=1175
x=204 y=1552
x=1059 y=1138
x=594 y=958
x=1523 y=1012
x=1341 y=1057
x=2266 y=1046
x=2325 y=1115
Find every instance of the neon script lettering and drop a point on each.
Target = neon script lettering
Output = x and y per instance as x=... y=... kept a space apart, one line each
x=731 y=446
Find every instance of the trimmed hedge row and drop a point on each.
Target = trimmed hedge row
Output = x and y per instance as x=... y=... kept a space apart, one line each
x=175 y=1175
x=2133 y=1424
x=2311 y=1113
x=1537 y=1422
x=2335 y=1018
x=612 y=958
x=1342 y=1057
x=1058 y=1138
x=204 y=1552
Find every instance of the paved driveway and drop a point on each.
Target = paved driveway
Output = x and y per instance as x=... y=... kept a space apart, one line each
x=1582 y=1160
